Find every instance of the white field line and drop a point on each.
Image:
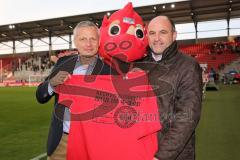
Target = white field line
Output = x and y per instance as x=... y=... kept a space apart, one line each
x=39 y=156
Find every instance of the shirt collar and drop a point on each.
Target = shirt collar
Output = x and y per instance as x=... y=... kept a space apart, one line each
x=90 y=67
x=156 y=57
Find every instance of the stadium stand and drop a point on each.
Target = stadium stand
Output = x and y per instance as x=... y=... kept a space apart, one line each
x=219 y=56
x=211 y=54
x=28 y=69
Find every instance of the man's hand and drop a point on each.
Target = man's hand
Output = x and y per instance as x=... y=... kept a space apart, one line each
x=135 y=69
x=155 y=158
x=59 y=78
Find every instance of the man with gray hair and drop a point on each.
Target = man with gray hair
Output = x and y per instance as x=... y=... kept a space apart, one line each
x=86 y=40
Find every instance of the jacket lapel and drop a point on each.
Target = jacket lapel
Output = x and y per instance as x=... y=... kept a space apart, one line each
x=65 y=64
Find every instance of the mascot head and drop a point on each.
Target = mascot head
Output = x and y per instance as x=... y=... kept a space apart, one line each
x=123 y=36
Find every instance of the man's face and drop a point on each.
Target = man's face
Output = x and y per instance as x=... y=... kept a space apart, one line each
x=160 y=34
x=87 y=41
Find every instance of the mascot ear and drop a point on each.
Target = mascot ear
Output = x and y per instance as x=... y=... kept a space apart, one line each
x=128 y=9
x=105 y=21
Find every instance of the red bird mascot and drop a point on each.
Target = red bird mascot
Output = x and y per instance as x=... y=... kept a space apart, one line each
x=113 y=117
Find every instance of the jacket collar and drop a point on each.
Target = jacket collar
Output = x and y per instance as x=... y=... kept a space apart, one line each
x=168 y=54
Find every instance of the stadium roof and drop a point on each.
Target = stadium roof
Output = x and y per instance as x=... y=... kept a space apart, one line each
x=184 y=12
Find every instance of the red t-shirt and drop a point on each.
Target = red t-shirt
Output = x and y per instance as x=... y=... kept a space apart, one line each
x=112 y=117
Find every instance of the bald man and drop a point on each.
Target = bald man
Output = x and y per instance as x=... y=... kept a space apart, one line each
x=179 y=98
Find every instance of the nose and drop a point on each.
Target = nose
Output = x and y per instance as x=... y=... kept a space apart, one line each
x=124 y=45
x=110 y=46
x=157 y=37
x=88 y=42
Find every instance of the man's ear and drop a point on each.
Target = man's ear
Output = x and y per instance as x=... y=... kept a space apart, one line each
x=174 y=35
x=99 y=40
x=75 y=42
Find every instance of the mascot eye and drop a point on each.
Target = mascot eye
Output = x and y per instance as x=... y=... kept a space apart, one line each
x=139 y=33
x=114 y=29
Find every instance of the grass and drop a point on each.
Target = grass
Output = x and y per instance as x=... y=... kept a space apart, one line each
x=24 y=124
x=218 y=132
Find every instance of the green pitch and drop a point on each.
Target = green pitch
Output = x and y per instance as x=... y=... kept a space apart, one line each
x=218 y=134
x=24 y=124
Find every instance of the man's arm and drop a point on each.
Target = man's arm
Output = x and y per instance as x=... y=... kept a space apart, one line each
x=43 y=93
x=45 y=90
x=186 y=114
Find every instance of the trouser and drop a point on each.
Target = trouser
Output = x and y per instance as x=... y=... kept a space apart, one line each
x=61 y=150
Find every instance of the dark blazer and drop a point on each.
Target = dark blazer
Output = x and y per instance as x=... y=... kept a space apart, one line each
x=56 y=128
